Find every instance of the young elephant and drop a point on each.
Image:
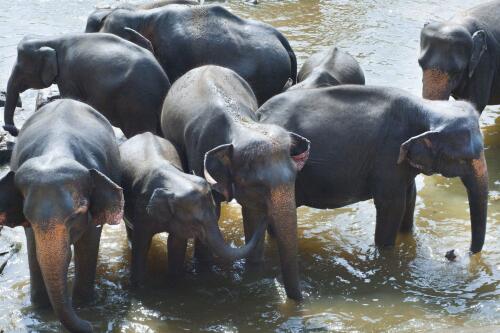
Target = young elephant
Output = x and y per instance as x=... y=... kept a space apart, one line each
x=461 y=57
x=120 y=79
x=371 y=142
x=209 y=116
x=186 y=37
x=160 y=197
x=62 y=188
x=331 y=67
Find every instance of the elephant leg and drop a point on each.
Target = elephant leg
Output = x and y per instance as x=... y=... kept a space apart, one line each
x=141 y=242
x=411 y=195
x=251 y=220
x=202 y=253
x=390 y=203
x=176 y=255
x=39 y=296
x=86 y=253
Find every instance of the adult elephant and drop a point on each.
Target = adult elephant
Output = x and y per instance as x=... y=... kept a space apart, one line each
x=330 y=67
x=62 y=186
x=461 y=57
x=361 y=152
x=186 y=37
x=209 y=116
x=118 y=78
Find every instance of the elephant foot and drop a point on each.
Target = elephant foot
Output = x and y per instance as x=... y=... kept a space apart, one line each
x=40 y=301
x=83 y=297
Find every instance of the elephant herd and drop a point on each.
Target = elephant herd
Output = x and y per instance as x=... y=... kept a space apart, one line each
x=214 y=110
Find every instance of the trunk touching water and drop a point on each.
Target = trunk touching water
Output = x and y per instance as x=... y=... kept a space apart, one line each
x=477 y=191
x=12 y=97
x=436 y=85
x=215 y=240
x=53 y=252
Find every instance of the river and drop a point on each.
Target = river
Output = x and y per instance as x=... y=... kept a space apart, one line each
x=350 y=286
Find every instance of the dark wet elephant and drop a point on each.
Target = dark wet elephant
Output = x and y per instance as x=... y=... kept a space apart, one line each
x=186 y=37
x=160 y=197
x=120 y=79
x=62 y=189
x=461 y=57
x=360 y=152
x=330 y=67
x=209 y=116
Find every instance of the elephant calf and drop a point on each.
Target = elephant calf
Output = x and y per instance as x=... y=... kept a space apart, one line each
x=371 y=142
x=331 y=67
x=118 y=78
x=461 y=57
x=62 y=188
x=209 y=116
x=160 y=197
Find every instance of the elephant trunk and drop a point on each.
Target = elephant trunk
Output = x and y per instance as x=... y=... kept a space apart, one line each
x=12 y=97
x=436 y=85
x=283 y=219
x=477 y=191
x=53 y=253
x=215 y=240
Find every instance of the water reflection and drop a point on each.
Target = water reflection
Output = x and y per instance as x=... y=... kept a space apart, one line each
x=350 y=284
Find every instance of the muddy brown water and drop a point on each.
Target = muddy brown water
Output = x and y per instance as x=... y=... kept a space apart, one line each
x=349 y=284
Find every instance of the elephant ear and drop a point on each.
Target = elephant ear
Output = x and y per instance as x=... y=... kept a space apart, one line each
x=479 y=46
x=299 y=150
x=160 y=204
x=48 y=68
x=419 y=151
x=136 y=38
x=106 y=200
x=11 y=203
x=217 y=170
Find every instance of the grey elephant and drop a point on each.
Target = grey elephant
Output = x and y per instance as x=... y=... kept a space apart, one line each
x=330 y=67
x=359 y=152
x=160 y=197
x=185 y=37
x=215 y=130
x=62 y=188
x=461 y=57
x=118 y=78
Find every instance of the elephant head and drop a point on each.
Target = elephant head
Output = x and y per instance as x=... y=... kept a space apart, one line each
x=59 y=199
x=453 y=147
x=36 y=67
x=449 y=56
x=260 y=172
x=190 y=210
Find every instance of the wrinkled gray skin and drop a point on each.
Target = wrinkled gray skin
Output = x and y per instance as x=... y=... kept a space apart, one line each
x=360 y=152
x=330 y=67
x=209 y=116
x=160 y=197
x=120 y=79
x=62 y=189
x=461 y=57
x=185 y=37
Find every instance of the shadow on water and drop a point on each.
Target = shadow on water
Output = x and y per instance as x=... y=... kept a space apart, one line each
x=350 y=285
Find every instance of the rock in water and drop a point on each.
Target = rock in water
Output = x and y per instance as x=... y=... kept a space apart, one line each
x=3 y=98
x=5 y=149
x=45 y=96
x=451 y=255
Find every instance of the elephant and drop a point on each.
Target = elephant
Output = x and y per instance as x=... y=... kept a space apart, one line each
x=209 y=116
x=461 y=57
x=371 y=142
x=118 y=78
x=330 y=67
x=62 y=187
x=209 y=35
x=160 y=197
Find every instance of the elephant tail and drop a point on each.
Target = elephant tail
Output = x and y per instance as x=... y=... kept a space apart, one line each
x=291 y=54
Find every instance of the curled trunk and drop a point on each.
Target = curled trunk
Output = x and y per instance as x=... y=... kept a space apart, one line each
x=477 y=191
x=436 y=85
x=53 y=253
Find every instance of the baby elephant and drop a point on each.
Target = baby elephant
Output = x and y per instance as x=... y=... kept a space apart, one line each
x=62 y=188
x=160 y=197
x=331 y=67
x=118 y=78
